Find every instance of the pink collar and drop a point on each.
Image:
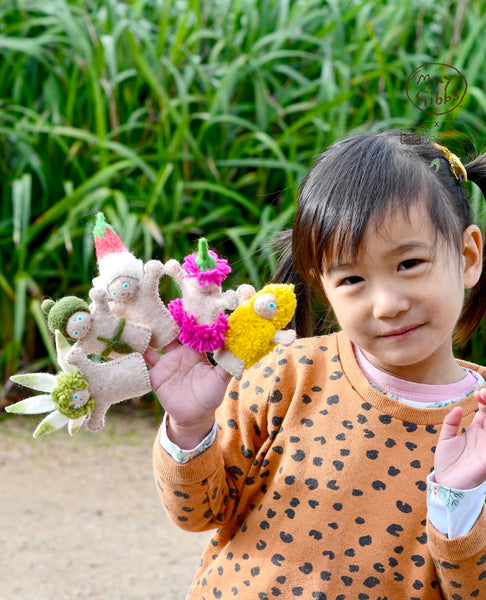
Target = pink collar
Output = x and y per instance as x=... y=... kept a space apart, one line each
x=416 y=392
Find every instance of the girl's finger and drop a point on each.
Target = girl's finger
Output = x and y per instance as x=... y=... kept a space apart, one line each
x=480 y=416
x=172 y=346
x=480 y=396
x=451 y=424
x=151 y=356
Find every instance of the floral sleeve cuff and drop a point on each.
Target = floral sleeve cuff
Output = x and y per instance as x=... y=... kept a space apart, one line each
x=453 y=512
x=178 y=454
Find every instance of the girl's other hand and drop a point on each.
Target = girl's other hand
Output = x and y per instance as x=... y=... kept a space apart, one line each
x=460 y=460
x=189 y=389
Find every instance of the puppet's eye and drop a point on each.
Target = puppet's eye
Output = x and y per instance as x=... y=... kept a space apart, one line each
x=126 y=285
x=272 y=305
x=113 y=293
x=80 y=318
x=75 y=332
x=76 y=397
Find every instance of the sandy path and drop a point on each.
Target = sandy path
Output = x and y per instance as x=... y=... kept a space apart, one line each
x=80 y=517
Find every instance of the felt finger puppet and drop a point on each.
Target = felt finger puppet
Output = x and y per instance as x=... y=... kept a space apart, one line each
x=95 y=328
x=257 y=326
x=110 y=382
x=83 y=391
x=65 y=395
x=132 y=287
x=200 y=313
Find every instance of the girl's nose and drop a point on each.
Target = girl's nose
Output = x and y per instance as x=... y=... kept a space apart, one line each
x=389 y=303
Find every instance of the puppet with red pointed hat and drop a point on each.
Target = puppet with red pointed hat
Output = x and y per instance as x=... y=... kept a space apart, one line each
x=133 y=287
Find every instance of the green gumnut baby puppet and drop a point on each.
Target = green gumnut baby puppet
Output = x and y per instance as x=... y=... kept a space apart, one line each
x=95 y=329
x=133 y=288
x=66 y=398
x=83 y=391
x=110 y=382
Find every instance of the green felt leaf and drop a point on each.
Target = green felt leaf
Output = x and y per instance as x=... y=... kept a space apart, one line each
x=74 y=425
x=121 y=347
x=63 y=347
x=51 y=423
x=44 y=382
x=33 y=405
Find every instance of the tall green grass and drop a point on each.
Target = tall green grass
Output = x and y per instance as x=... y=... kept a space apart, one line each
x=182 y=118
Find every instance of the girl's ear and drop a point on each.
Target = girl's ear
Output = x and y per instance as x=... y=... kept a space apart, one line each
x=472 y=256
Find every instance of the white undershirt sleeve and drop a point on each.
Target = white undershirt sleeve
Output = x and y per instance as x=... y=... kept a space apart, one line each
x=178 y=454
x=453 y=512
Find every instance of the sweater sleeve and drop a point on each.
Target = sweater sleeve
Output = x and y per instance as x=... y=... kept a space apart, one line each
x=460 y=562
x=205 y=492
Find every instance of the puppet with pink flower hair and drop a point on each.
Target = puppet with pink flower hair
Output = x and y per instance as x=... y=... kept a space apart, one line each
x=200 y=313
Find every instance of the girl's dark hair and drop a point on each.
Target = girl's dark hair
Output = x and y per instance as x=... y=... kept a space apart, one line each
x=352 y=187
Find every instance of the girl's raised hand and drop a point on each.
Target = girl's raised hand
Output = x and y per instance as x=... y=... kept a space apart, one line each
x=460 y=460
x=189 y=389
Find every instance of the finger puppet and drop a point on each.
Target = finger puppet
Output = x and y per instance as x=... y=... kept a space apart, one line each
x=200 y=312
x=256 y=326
x=83 y=391
x=95 y=329
x=133 y=288
x=110 y=382
x=64 y=398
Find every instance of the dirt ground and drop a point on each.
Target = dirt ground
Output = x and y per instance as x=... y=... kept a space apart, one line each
x=80 y=517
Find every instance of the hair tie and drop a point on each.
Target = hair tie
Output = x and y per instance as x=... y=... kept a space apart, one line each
x=457 y=168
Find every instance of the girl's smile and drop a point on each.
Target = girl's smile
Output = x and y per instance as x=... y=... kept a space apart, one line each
x=399 y=301
x=401 y=333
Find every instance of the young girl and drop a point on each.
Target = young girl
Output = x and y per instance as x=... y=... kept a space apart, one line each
x=348 y=466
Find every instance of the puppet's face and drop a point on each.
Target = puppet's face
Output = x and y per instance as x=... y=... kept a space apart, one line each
x=266 y=306
x=79 y=398
x=209 y=289
x=123 y=289
x=78 y=325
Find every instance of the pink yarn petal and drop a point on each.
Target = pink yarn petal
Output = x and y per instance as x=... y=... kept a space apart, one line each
x=213 y=276
x=203 y=338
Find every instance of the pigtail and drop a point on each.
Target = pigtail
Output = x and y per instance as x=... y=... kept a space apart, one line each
x=286 y=273
x=474 y=308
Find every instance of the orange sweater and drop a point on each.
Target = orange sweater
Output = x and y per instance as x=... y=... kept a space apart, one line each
x=316 y=483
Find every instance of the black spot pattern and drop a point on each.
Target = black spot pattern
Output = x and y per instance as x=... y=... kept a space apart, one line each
x=322 y=492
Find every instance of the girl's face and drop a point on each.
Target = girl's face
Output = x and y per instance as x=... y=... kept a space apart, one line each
x=400 y=299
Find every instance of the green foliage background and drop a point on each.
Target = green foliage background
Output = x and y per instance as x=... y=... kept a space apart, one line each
x=178 y=118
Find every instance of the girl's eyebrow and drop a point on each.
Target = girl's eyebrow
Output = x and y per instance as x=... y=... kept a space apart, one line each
x=339 y=266
x=406 y=247
x=396 y=250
